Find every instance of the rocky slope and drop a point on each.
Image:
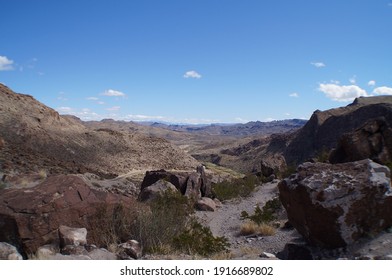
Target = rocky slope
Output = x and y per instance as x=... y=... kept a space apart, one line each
x=34 y=137
x=324 y=129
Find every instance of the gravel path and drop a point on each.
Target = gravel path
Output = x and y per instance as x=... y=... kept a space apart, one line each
x=225 y=221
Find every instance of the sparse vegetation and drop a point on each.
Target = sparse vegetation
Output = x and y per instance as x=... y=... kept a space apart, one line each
x=323 y=155
x=261 y=221
x=251 y=227
x=287 y=172
x=198 y=239
x=236 y=188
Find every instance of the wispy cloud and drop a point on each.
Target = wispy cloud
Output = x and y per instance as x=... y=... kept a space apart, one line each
x=383 y=91
x=92 y=98
x=371 y=83
x=112 y=92
x=192 y=74
x=353 y=80
x=318 y=64
x=342 y=93
x=6 y=64
x=294 y=94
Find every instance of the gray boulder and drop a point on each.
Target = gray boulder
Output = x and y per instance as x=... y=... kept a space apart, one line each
x=155 y=190
x=335 y=205
x=9 y=252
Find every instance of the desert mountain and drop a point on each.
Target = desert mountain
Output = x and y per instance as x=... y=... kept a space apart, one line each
x=35 y=137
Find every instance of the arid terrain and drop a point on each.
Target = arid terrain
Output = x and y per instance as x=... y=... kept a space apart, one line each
x=293 y=189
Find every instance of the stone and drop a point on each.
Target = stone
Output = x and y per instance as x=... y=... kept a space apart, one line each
x=334 y=205
x=102 y=254
x=46 y=252
x=9 y=252
x=130 y=249
x=72 y=236
x=30 y=218
x=266 y=255
x=206 y=204
x=156 y=190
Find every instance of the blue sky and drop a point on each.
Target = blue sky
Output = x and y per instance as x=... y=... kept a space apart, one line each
x=196 y=61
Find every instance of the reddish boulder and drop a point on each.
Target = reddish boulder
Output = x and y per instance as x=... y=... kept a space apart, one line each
x=335 y=205
x=30 y=218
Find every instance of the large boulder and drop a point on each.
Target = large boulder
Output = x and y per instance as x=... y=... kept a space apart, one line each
x=335 y=205
x=9 y=252
x=155 y=190
x=373 y=140
x=30 y=218
x=192 y=184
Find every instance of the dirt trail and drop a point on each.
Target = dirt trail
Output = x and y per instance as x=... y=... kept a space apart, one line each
x=225 y=221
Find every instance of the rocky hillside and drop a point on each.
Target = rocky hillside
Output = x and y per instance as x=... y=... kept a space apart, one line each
x=325 y=128
x=34 y=137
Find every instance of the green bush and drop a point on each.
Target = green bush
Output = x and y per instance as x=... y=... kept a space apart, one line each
x=267 y=214
x=236 y=188
x=198 y=239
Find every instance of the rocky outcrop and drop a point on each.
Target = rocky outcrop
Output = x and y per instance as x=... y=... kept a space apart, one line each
x=30 y=218
x=156 y=190
x=130 y=250
x=9 y=252
x=191 y=184
x=373 y=140
x=335 y=205
x=324 y=129
x=206 y=204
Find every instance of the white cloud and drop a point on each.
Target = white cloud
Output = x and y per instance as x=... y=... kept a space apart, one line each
x=112 y=92
x=114 y=108
x=5 y=64
x=383 y=91
x=144 y=118
x=335 y=82
x=192 y=74
x=92 y=98
x=318 y=64
x=294 y=94
x=371 y=83
x=353 y=80
x=270 y=119
x=342 y=93
x=65 y=110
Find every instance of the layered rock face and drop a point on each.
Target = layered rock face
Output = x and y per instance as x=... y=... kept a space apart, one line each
x=373 y=140
x=30 y=218
x=324 y=129
x=335 y=205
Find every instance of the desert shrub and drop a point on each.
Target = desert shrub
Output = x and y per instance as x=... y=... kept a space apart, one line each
x=198 y=239
x=267 y=214
x=167 y=218
x=287 y=172
x=236 y=188
x=111 y=225
x=323 y=155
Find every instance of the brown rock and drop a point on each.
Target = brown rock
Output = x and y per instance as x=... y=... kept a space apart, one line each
x=206 y=204
x=335 y=205
x=155 y=190
x=130 y=249
x=30 y=218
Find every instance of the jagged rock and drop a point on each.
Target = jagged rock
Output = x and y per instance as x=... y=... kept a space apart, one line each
x=30 y=218
x=191 y=184
x=266 y=170
x=324 y=129
x=335 y=205
x=206 y=204
x=72 y=236
x=373 y=140
x=9 y=252
x=155 y=190
x=130 y=249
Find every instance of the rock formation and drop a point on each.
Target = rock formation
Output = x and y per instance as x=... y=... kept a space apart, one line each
x=373 y=140
x=335 y=205
x=324 y=129
x=30 y=218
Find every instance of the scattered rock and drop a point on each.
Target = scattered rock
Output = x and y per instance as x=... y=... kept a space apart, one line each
x=266 y=255
x=335 y=205
x=130 y=250
x=205 y=204
x=46 y=252
x=9 y=252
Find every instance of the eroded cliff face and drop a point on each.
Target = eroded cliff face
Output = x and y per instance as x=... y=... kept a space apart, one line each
x=325 y=128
